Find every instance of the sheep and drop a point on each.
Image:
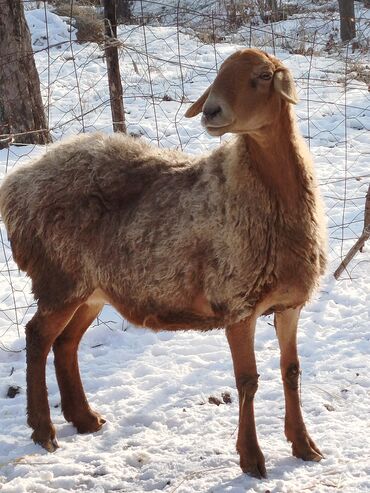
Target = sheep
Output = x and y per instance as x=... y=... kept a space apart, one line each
x=175 y=242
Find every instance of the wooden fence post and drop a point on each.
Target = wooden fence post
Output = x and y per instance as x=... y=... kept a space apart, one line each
x=114 y=77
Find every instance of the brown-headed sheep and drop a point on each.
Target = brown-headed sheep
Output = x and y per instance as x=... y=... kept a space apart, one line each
x=174 y=242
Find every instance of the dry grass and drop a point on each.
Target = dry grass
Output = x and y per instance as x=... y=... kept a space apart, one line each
x=359 y=71
x=90 y=27
x=206 y=36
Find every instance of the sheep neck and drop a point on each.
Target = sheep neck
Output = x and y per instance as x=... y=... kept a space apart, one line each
x=277 y=157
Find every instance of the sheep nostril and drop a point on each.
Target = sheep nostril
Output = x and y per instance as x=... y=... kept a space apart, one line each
x=211 y=111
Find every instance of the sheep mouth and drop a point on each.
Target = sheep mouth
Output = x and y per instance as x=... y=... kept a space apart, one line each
x=217 y=130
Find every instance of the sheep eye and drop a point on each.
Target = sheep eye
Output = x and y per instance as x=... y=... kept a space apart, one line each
x=266 y=76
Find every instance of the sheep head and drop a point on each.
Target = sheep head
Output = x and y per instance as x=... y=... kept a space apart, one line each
x=246 y=95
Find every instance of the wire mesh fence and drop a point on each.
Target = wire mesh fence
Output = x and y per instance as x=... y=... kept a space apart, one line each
x=169 y=53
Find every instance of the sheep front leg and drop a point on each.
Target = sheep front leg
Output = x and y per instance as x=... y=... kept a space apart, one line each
x=241 y=340
x=41 y=331
x=303 y=446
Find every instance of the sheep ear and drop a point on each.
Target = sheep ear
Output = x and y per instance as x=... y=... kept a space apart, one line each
x=196 y=107
x=284 y=85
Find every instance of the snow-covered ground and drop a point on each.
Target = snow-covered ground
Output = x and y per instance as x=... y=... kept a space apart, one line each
x=162 y=434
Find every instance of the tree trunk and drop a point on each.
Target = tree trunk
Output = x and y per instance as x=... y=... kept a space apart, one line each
x=22 y=115
x=272 y=5
x=124 y=10
x=347 y=19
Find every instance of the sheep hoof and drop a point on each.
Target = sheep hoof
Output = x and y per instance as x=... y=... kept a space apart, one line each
x=50 y=444
x=254 y=466
x=311 y=455
x=255 y=471
x=307 y=450
x=90 y=423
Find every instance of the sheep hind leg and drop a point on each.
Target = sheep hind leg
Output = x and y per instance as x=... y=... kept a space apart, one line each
x=303 y=446
x=74 y=403
x=241 y=340
x=41 y=332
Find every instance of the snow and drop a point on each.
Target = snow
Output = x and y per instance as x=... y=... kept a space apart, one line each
x=48 y=29
x=162 y=434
